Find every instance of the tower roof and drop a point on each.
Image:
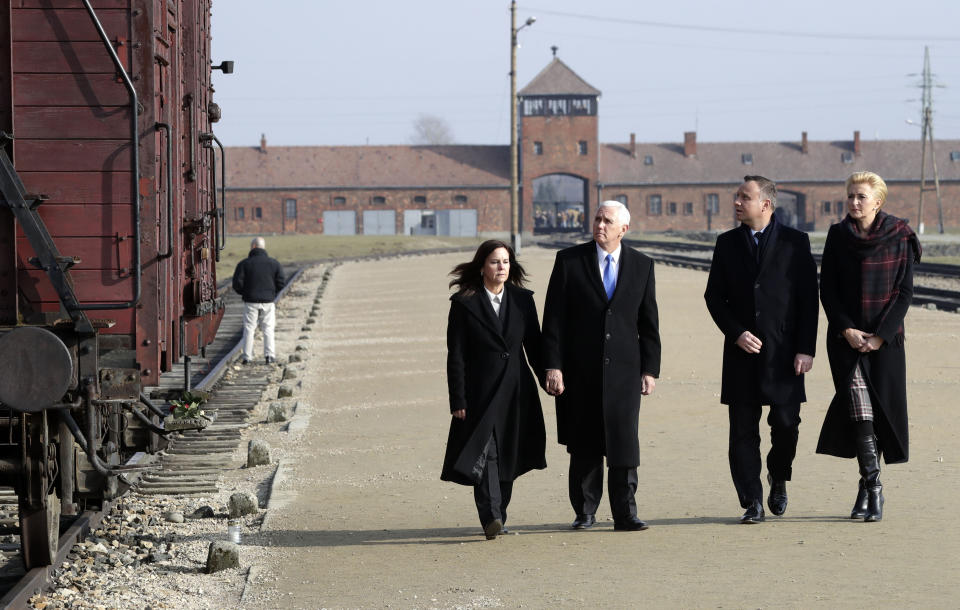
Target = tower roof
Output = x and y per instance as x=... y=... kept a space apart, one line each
x=557 y=79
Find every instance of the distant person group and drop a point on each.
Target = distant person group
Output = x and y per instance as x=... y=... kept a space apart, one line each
x=598 y=353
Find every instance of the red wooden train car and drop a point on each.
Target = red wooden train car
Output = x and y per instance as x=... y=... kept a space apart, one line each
x=111 y=222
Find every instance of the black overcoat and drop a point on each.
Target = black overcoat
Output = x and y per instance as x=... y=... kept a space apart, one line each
x=776 y=301
x=884 y=369
x=602 y=348
x=488 y=375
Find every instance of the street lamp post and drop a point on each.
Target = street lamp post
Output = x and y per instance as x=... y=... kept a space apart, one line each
x=514 y=180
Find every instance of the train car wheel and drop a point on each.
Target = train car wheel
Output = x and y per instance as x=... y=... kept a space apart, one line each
x=38 y=502
x=40 y=532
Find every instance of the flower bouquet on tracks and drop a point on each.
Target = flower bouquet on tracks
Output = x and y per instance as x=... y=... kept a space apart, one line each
x=186 y=412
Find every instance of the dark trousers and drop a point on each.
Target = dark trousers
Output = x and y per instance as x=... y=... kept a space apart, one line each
x=744 y=451
x=492 y=495
x=586 y=486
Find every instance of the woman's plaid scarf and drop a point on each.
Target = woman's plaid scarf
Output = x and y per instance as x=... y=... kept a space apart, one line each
x=884 y=254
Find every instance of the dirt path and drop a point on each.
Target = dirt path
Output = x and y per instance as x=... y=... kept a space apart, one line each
x=368 y=523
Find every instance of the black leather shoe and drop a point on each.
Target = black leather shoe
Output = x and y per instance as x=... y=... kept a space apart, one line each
x=492 y=529
x=583 y=522
x=777 y=500
x=271 y=360
x=754 y=513
x=630 y=524
x=244 y=361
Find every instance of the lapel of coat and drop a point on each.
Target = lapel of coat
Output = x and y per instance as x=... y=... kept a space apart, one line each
x=770 y=244
x=514 y=316
x=479 y=306
x=592 y=269
x=748 y=252
x=625 y=262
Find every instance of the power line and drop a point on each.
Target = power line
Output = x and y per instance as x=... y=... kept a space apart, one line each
x=729 y=30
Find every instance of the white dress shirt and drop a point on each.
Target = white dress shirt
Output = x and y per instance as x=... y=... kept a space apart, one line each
x=495 y=299
x=615 y=261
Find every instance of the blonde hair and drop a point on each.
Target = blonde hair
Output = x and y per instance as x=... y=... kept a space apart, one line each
x=873 y=180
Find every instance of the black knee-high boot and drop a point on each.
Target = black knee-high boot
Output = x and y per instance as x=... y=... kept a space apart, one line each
x=869 y=461
x=860 y=504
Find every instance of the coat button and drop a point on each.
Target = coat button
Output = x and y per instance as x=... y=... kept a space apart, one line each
x=505 y=355
x=609 y=312
x=607 y=336
x=756 y=315
x=606 y=361
x=757 y=285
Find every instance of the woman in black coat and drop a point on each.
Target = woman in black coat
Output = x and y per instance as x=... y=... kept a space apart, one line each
x=866 y=285
x=497 y=430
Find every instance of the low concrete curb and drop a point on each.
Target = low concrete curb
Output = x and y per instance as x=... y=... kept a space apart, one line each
x=277 y=497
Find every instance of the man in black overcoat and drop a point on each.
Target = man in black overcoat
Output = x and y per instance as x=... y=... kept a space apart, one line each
x=601 y=342
x=762 y=294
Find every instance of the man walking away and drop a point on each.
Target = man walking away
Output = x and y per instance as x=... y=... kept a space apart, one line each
x=258 y=278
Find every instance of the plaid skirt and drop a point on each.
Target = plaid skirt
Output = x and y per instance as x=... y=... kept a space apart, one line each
x=861 y=409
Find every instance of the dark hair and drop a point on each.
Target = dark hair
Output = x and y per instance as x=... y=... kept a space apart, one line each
x=768 y=188
x=467 y=278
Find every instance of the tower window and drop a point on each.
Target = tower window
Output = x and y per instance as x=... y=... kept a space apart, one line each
x=955 y=155
x=621 y=198
x=339 y=201
x=558 y=106
x=826 y=207
x=258 y=213
x=533 y=107
x=747 y=158
x=290 y=208
x=538 y=148
x=379 y=200
x=672 y=208
x=582 y=147
x=420 y=199
x=239 y=213
x=582 y=105
x=648 y=160
x=846 y=157
x=688 y=208
x=459 y=198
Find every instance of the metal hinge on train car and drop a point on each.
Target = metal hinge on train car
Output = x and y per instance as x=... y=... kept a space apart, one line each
x=119 y=383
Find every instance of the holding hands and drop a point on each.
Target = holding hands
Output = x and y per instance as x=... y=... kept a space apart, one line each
x=862 y=341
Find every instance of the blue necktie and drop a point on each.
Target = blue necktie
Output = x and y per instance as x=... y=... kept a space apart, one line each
x=609 y=278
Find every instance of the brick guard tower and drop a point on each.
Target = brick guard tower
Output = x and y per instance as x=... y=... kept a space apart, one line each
x=559 y=151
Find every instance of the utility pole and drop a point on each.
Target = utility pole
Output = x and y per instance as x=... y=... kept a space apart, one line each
x=514 y=179
x=928 y=137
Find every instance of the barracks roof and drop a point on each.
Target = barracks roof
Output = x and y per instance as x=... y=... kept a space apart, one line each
x=489 y=166
x=368 y=166
x=727 y=162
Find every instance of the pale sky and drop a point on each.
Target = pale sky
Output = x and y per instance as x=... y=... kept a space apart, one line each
x=353 y=72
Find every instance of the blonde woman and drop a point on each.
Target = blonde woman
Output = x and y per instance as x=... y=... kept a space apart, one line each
x=866 y=285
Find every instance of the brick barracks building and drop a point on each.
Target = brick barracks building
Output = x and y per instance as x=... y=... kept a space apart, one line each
x=564 y=172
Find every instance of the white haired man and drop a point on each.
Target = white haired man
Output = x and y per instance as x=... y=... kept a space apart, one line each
x=258 y=278
x=601 y=343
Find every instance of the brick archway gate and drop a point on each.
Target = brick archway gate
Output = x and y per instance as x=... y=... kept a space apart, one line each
x=559 y=203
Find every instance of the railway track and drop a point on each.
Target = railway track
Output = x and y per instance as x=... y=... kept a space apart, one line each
x=191 y=461
x=696 y=256
x=923 y=296
x=189 y=464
